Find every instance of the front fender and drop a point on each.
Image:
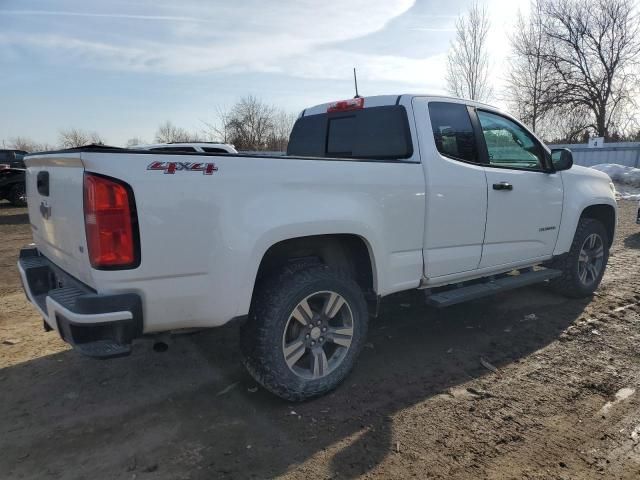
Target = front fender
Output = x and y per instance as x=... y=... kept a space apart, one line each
x=583 y=188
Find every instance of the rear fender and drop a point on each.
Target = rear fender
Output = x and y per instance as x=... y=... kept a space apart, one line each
x=292 y=231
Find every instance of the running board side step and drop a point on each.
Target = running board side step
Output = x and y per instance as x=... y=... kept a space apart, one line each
x=489 y=287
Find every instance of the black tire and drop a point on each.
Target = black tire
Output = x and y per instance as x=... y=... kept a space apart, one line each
x=17 y=195
x=263 y=336
x=570 y=284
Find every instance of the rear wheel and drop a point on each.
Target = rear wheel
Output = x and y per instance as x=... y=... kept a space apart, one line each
x=18 y=195
x=583 y=267
x=305 y=330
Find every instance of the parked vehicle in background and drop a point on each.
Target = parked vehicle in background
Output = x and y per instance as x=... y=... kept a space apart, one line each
x=376 y=195
x=198 y=147
x=12 y=186
x=12 y=159
x=12 y=177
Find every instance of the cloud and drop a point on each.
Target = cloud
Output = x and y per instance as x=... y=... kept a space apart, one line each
x=300 y=38
x=50 y=13
x=425 y=74
x=434 y=29
x=295 y=37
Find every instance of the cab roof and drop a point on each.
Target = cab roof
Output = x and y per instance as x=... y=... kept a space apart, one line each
x=383 y=100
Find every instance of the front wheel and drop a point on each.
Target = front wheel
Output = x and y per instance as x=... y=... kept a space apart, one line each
x=305 y=331
x=583 y=267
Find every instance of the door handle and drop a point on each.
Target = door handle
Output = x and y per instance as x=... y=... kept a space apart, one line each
x=502 y=186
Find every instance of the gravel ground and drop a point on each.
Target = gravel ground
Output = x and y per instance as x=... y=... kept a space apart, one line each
x=564 y=402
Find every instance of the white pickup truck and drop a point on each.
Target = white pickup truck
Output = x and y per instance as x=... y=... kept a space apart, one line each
x=375 y=195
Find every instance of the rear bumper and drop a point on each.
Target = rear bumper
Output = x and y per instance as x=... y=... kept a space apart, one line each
x=101 y=326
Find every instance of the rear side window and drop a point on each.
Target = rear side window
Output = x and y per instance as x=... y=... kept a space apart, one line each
x=172 y=149
x=375 y=132
x=452 y=131
x=214 y=150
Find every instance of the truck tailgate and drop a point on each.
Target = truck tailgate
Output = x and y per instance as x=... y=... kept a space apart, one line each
x=55 y=199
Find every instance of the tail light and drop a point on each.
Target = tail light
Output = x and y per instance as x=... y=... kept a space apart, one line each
x=111 y=223
x=346 y=105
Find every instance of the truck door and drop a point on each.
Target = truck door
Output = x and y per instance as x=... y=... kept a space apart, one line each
x=524 y=198
x=456 y=188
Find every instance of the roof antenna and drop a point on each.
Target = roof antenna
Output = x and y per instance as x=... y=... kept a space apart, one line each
x=355 y=81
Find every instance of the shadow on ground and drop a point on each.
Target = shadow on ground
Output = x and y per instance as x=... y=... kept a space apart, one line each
x=5 y=205
x=14 y=219
x=192 y=410
x=633 y=241
x=12 y=215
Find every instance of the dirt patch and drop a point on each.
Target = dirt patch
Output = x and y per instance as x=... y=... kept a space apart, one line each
x=419 y=403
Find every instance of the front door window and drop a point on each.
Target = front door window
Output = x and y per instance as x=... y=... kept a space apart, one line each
x=508 y=144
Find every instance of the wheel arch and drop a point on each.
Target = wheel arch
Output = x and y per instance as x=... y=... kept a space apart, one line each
x=605 y=214
x=349 y=253
x=603 y=210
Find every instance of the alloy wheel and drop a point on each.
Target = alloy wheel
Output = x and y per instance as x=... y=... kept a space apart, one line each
x=318 y=335
x=591 y=259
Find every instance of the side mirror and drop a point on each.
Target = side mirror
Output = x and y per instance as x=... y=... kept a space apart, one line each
x=562 y=159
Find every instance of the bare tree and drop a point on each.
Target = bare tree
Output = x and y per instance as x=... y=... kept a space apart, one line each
x=168 y=132
x=75 y=137
x=593 y=48
x=282 y=125
x=625 y=123
x=220 y=130
x=530 y=76
x=29 y=145
x=468 y=59
x=135 y=141
x=22 y=143
x=249 y=124
x=565 y=124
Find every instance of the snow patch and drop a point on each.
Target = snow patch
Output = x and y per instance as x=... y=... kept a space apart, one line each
x=621 y=395
x=626 y=179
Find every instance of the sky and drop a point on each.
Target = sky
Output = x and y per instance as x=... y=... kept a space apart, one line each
x=122 y=67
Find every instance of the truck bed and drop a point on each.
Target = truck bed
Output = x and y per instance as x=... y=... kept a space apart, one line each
x=203 y=234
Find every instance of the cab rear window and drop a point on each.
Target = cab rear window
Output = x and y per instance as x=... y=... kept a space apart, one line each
x=375 y=132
